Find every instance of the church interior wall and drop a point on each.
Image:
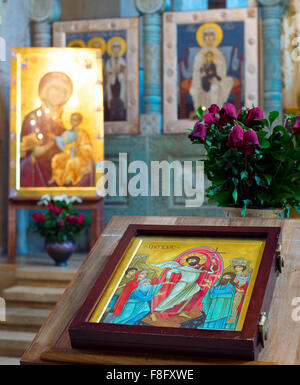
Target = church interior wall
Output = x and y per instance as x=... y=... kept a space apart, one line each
x=138 y=147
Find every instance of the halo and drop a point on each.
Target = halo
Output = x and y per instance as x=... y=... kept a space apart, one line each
x=99 y=41
x=119 y=40
x=56 y=77
x=76 y=44
x=202 y=258
x=218 y=30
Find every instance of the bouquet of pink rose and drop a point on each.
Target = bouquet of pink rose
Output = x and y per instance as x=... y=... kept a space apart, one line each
x=60 y=222
x=249 y=162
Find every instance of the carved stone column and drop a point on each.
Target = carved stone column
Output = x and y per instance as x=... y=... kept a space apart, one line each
x=272 y=11
x=151 y=10
x=42 y=13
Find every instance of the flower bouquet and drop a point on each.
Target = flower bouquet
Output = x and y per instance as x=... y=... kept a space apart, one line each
x=251 y=161
x=59 y=225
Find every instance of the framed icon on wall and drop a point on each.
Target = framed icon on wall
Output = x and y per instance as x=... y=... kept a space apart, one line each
x=210 y=57
x=56 y=122
x=119 y=43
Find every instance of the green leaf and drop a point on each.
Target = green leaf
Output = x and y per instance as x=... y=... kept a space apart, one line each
x=282 y=130
x=262 y=197
x=265 y=122
x=243 y=211
x=268 y=178
x=258 y=180
x=279 y=156
x=200 y=112
x=223 y=197
x=235 y=181
x=218 y=181
x=265 y=144
x=244 y=174
x=273 y=116
x=235 y=195
x=246 y=204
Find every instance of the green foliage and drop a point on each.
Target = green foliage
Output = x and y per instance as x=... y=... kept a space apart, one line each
x=268 y=178
x=200 y=112
x=58 y=220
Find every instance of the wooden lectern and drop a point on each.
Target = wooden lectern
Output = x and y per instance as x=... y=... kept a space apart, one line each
x=52 y=343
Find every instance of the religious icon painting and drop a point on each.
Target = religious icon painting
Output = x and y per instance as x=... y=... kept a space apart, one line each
x=210 y=57
x=56 y=122
x=183 y=283
x=118 y=41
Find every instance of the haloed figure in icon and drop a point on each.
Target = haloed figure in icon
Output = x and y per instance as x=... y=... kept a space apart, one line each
x=71 y=165
x=116 y=81
x=210 y=83
x=41 y=127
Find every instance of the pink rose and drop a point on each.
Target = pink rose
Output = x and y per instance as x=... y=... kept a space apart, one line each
x=199 y=132
x=253 y=113
x=228 y=114
x=209 y=119
x=81 y=219
x=51 y=207
x=38 y=217
x=295 y=129
x=61 y=223
x=71 y=218
x=214 y=109
x=58 y=211
x=235 y=137
x=250 y=142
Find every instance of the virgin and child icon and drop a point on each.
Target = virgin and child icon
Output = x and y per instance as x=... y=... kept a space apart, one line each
x=192 y=291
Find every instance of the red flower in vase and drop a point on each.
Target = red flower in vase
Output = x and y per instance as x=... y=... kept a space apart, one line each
x=38 y=217
x=199 y=132
x=227 y=114
x=235 y=137
x=295 y=128
x=250 y=142
x=253 y=114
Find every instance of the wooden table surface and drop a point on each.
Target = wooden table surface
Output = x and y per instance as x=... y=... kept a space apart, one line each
x=52 y=343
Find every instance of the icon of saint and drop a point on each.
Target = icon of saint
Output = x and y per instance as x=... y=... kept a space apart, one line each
x=115 y=80
x=75 y=161
x=210 y=83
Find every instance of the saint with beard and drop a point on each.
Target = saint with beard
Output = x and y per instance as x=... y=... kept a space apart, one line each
x=218 y=301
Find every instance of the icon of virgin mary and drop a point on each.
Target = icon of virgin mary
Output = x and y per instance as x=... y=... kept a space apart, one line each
x=210 y=83
x=40 y=129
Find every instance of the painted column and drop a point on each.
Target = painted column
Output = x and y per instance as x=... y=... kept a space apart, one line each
x=41 y=14
x=237 y=3
x=151 y=10
x=272 y=11
x=189 y=5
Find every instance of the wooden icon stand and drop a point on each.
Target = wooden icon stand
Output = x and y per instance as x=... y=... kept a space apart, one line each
x=94 y=204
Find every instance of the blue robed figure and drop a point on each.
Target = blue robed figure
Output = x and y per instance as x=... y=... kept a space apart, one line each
x=138 y=304
x=217 y=303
